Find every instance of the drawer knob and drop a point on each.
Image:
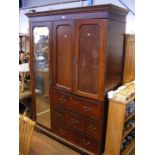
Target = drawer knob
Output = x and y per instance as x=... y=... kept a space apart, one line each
x=58 y=115
x=91 y=127
x=62 y=131
x=61 y=100
x=85 y=108
x=74 y=121
x=85 y=142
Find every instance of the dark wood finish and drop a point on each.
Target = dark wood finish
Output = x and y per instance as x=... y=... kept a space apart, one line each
x=90 y=66
x=86 y=15
x=58 y=138
x=88 y=143
x=108 y=8
x=76 y=138
x=129 y=58
x=63 y=39
x=75 y=121
x=93 y=128
x=61 y=99
x=58 y=114
x=86 y=107
x=86 y=60
x=114 y=61
x=61 y=130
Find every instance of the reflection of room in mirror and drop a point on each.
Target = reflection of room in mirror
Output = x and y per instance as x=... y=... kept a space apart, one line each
x=41 y=41
x=43 y=111
x=41 y=35
x=40 y=31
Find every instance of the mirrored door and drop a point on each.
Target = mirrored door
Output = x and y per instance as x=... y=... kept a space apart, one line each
x=41 y=75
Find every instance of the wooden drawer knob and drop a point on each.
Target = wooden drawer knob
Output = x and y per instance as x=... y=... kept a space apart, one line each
x=74 y=121
x=61 y=100
x=58 y=115
x=85 y=108
x=92 y=127
x=62 y=131
x=85 y=142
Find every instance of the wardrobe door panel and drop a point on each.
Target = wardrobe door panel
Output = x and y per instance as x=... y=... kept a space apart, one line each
x=90 y=53
x=63 y=55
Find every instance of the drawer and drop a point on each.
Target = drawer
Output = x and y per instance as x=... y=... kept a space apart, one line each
x=58 y=114
x=93 y=128
x=60 y=130
x=87 y=108
x=83 y=141
x=76 y=138
x=88 y=144
x=75 y=121
x=60 y=98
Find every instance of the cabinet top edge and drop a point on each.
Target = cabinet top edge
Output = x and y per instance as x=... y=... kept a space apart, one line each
x=95 y=8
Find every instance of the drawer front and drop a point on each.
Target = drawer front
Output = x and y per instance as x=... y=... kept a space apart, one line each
x=75 y=121
x=93 y=128
x=87 y=108
x=89 y=144
x=84 y=142
x=58 y=114
x=60 y=131
x=60 y=99
x=76 y=138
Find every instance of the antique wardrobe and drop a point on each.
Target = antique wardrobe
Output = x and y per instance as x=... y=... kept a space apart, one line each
x=76 y=57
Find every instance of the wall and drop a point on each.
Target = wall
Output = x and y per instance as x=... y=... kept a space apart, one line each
x=30 y=3
x=130 y=25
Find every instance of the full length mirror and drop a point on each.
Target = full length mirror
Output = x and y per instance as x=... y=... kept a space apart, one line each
x=41 y=68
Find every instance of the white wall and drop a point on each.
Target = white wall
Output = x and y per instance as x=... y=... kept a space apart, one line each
x=23 y=20
x=130 y=20
x=130 y=25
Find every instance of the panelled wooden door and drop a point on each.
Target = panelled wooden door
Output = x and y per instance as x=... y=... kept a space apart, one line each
x=63 y=41
x=90 y=55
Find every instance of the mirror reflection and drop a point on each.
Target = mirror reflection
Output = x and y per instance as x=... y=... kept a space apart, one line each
x=41 y=68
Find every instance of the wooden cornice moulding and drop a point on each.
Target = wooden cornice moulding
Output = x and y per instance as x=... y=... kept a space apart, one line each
x=97 y=8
